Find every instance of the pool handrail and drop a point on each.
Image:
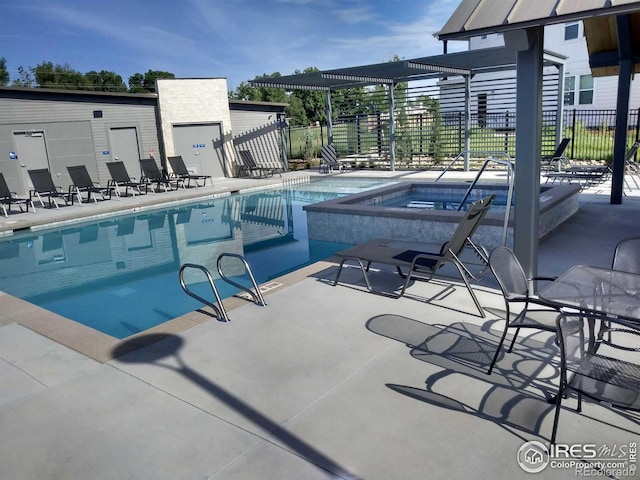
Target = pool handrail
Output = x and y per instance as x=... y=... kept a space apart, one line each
x=465 y=153
x=219 y=310
x=257 y=295
x=510 y=183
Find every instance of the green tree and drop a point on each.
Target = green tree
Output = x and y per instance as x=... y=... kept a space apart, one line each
x=105 y=81
x=348 y=101
x=434 y=112
x=4 y=73
x=24 y=78
x=136 y=83
x=146 y=83
x=312 y=101
x=246 y=91
x=48 y=75
x=296 y=113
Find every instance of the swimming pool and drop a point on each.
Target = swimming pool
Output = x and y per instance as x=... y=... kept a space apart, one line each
x=120 y=275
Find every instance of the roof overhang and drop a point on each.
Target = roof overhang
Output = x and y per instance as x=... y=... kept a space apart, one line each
x=610 y=39
x=423 y=68
x=612 y=27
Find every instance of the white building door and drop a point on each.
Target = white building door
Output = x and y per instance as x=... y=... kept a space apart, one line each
x=201 y=148
x=31 y=149
x=125 y=148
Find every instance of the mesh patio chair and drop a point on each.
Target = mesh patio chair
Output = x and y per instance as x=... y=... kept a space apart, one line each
x=151 y=174
x=604 y=370
x=515 y=290
x=82 y=183
x=8 y=198
x=43 y=186
x=120 y=178
x=626 y=257
x=181 y=172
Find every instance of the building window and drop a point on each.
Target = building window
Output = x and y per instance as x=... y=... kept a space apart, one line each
x=569 y=90
x=585 y=96
x=571 y=31
x=583 y=90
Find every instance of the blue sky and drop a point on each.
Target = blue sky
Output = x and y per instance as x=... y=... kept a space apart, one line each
x=236 y=39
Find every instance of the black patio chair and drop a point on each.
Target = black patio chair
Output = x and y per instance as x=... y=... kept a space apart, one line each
x=329 y=160
x=606 y=370
x=250 y=165
x=151 y=174
x=8 y=198
x=515 y=290
x=82 y=183
x=421 y=261
x=43 y=186
x=181 y=171
x=558 y=159
x=120 y=178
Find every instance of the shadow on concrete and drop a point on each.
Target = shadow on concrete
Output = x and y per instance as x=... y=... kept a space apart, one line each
x=166 y=346
x=507 y=398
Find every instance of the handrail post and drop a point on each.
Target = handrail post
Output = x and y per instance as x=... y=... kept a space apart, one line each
x=219 y=310
x=257 y=295
x=510 y=182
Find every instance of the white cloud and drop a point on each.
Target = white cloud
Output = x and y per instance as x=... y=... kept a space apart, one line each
x=355 y=15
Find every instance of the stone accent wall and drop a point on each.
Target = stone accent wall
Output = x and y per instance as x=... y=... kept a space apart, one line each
x=195 y=101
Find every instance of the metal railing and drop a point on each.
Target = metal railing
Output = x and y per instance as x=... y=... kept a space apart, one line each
x=510 y=183
x=465 y=153
x=219 y=309
x=506 y=161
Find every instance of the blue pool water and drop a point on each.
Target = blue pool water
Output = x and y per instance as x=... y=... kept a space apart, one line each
x=430 y=198
x=120 y=275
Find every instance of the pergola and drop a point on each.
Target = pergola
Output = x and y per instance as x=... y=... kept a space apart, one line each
x=466 y=64
x=612 y=29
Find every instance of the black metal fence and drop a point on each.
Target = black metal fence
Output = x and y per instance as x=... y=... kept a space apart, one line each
x=592 y=132
x=424 y=140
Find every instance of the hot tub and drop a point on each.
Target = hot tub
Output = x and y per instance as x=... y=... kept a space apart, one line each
x=428 y=212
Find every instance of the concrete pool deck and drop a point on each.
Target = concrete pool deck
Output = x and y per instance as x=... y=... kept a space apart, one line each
x=324 y=382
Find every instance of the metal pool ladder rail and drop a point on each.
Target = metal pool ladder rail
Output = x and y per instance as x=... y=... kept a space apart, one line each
x=219 y=308
x=510 y=183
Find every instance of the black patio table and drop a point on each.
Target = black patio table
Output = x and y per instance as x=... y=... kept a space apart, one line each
x=598 y=292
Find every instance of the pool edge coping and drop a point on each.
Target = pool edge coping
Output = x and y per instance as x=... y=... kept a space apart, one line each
x=100 y=346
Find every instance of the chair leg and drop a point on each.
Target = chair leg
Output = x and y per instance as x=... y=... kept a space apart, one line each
x=362 y=268
x=557 y=414
x=579 y=408
x=495 y=356
x=461 y=270
x=513 y=340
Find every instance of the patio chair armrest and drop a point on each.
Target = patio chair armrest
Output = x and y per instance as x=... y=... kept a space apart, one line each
x=416 y=266
x=544 y=279
x=538 y=301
